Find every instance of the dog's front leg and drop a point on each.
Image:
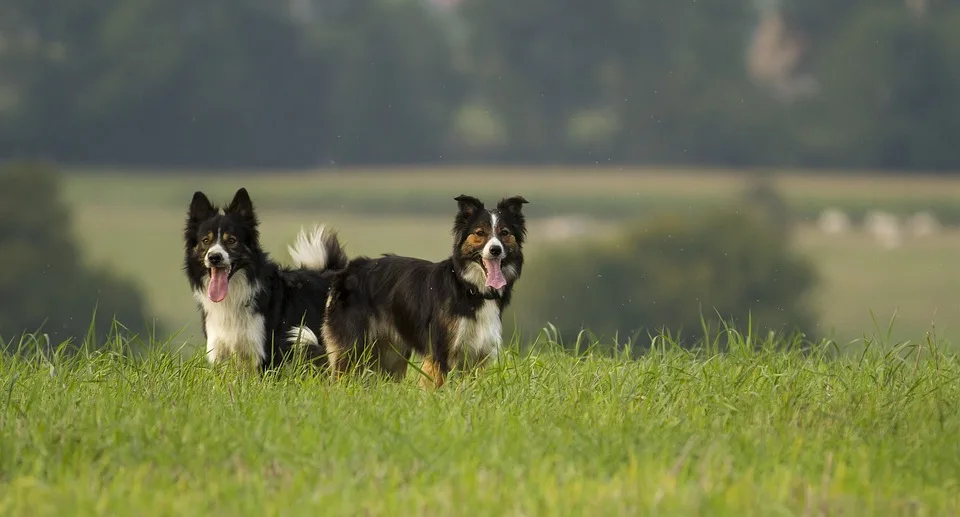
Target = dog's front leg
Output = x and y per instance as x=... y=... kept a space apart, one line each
x=435 y=375
x=213 y=349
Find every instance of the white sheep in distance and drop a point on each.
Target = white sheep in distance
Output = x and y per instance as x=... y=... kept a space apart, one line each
x=885 y=228
x=833 y=221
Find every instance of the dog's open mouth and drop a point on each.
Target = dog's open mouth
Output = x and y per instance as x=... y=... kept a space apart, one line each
x=494 y=274
x=219 y=284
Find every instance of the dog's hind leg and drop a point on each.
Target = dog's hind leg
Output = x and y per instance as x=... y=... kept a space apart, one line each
x=392 y=360
x=337 y=354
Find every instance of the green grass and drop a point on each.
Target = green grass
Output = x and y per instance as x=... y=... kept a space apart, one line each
x=746 y=432
x=132 y=224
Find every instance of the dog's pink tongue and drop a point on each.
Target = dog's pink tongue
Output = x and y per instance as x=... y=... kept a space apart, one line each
x=217 y=290
x=494 y=275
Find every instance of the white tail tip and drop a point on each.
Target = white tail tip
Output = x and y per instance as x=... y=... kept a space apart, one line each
x=309 y=251
x=303 y=335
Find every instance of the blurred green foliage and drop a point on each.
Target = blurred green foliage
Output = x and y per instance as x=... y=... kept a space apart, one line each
x=255 y=83
x=45 y=285
x=676 y=272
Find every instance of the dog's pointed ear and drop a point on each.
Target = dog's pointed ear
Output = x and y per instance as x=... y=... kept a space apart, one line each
x=241 y=204
x=514 y=204
x=468 y=205
x=200 y=207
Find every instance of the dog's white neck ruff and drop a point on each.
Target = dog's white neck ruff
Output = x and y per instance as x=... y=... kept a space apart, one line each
x=474 y=275
x=234 y=329
x=477 y=339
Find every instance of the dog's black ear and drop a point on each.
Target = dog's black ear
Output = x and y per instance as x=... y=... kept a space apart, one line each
x=200 y=207
x=514 y=204
x=241 y=204
x=469 y=205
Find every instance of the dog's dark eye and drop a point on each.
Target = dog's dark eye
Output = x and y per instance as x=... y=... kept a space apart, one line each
x=480 y=232
x=205 y=241
x=504 y=232
x=231 y=241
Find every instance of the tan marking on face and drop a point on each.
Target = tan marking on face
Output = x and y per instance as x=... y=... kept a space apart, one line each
x=476 y=240
x=228 y=239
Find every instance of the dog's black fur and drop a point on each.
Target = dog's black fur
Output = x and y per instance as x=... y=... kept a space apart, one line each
x=381 y=310
x=261 y=316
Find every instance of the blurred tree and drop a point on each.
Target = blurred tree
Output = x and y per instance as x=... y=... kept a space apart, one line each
x=43 y=282
x=668 y=272
x=226 y=82
x=889 y=87
x=821 y=20
x=762 y=198
x=656 y=81
x=392 y=88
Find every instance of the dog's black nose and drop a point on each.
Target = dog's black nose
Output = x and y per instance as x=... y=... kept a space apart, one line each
x=496 y=250
x=215 y=259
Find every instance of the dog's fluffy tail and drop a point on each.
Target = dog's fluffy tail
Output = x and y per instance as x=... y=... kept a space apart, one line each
x=318 y=249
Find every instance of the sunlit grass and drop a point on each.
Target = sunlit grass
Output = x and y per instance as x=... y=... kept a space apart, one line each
x=762 y=428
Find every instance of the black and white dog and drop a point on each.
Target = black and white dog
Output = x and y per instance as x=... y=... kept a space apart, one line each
x=253 y=308
x=381 y=310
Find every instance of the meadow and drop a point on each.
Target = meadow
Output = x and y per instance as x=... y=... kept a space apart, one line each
x=760 y=429
x=746 y=425
x=133 y=222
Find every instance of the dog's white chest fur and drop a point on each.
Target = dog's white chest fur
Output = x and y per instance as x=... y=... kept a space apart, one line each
x=479 y=338
x=233 y=327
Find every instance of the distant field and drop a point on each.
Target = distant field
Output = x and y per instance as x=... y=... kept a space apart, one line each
x=918 y=285
x=599 y=191
x=670 y=433
x=133 y=223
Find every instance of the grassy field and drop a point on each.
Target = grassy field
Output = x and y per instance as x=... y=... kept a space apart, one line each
x=759 y=429
x=747 y=432
x=132 y=224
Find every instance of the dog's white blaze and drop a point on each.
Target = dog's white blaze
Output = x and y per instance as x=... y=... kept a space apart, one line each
x=304 y=335
x=217 y=248
x=491 y=243
x=494 y=217
x=233 y=327
x=309 y=251
x=478 y=339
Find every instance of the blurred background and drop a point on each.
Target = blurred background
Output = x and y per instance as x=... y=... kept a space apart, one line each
x=791 y=163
